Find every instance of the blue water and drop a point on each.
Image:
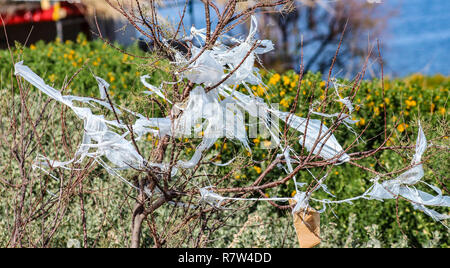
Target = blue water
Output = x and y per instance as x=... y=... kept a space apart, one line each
x=416 y=39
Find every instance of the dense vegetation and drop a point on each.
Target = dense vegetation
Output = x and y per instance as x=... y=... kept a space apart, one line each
x=365 y=223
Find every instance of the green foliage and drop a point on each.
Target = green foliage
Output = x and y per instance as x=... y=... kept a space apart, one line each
x=57 y=62
x=363 y=224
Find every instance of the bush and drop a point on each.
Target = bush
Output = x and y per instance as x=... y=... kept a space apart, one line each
x=420 y=97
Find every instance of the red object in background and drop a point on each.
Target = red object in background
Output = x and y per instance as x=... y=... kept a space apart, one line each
x=40 y=15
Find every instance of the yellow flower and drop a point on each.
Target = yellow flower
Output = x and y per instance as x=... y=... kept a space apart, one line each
x=256 y=141
x=274 y=79
x=260 y=91
x=376 y=110
x=282 y=93
x=402 y=127
x=33 y=47
x=257 y=169
x=284 y=103
x=322 y=84
x=267 y=144
x=293 y=84
x=410 y=103
x=362 y=121
x=293 y=193
x=52 y=78
x=442 y=110
x=50 y=51
x=286 y=80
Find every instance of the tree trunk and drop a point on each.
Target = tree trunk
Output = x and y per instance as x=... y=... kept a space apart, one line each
x=136 y=230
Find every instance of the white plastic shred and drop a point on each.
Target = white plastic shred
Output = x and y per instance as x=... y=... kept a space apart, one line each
x=219 y=113
x=314 y=130
x=103 y=87
x=346 y=101
x=403 y=185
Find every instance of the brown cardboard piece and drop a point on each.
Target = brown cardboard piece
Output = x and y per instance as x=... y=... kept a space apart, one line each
x=307 y=226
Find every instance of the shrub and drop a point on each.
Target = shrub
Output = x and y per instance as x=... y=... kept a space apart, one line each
x=419 y=97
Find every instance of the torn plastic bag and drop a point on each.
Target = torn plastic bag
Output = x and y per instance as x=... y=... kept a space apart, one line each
x=96 y=128
x=103 y=87
x=403 y=185
x=316 y=130
x=152 y=88
x=209 y=67
x=158 y=127
x=205 y=70
x=220 y=120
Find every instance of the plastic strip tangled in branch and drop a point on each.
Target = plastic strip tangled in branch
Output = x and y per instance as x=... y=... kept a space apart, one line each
x=403 y=185
x=219 y=111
